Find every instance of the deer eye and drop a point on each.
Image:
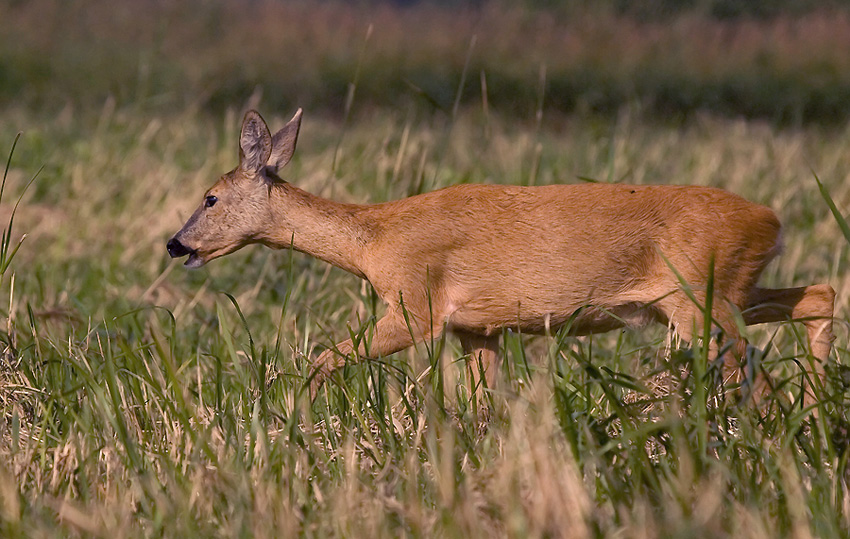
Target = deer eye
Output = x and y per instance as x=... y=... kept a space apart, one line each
x=210 y=201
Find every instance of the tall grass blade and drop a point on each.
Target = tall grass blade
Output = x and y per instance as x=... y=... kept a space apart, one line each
x=349 y=98
x=842 y=222
x=6 y=255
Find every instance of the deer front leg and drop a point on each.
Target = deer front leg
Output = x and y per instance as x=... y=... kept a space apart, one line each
x=391 y=335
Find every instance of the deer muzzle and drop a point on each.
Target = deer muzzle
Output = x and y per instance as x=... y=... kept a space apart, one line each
x=176 y=249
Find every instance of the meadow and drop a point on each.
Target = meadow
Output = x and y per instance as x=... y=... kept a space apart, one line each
x=139 y=398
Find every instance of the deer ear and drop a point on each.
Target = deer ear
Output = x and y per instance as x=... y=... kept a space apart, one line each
x=255 y=143
x=283 y=143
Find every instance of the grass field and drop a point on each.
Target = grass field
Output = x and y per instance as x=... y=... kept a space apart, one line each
x=142 y=399
x=137 y=400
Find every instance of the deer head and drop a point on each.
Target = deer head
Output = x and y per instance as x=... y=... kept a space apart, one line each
x=236 y=210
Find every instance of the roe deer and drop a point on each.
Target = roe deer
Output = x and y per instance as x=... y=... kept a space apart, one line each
x=474 y=259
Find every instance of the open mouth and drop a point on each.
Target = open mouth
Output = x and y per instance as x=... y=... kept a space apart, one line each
x=194 y=261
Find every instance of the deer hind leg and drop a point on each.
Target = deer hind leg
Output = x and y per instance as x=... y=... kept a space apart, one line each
x=812 y=305
x=688 y=319
x=735 y=368
x=482 y=357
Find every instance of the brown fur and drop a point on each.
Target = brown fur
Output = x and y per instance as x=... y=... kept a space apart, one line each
x=474 y=259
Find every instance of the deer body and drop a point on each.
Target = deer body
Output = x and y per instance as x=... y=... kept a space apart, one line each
x=474 y=259
x=531 y=257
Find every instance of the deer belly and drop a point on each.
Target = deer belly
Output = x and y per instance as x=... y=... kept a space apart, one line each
x=583 y=320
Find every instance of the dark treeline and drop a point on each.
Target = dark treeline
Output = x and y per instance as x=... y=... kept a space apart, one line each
x=658 y=9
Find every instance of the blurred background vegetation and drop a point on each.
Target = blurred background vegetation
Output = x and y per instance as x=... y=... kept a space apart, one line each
x=782 y=60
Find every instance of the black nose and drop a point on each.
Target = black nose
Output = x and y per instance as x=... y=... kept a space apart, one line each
x=176 y=249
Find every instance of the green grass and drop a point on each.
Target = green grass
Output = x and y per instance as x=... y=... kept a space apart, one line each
x=142 y=399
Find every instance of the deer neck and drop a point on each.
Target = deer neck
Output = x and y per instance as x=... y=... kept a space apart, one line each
x=328 y=230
